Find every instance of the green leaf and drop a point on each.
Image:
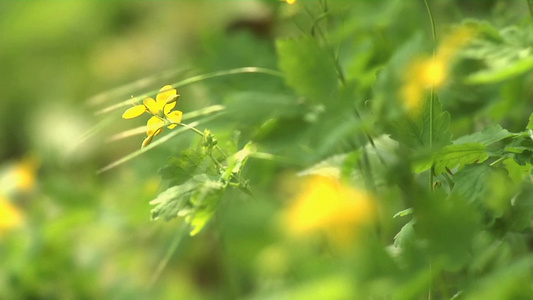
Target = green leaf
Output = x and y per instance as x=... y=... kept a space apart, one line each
x=471 y=182
x=403 y=213
x=405 y=235
x=237 y=161
x=189 y=163
x=453 y=156
x=488 y=136
x=205 y=201
x=506 y=54
x=196 y=200
x=173 y=201
x=530 y=123
x=415 y=133
x=518 y=67
x=308 y=68
x=520 y=149
x=450 y=225
x=517 y=172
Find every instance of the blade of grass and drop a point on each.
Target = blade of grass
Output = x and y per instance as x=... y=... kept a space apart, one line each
x=91 y=132
x=134 y=86
x=190 y=115
x=154 y=144
x=191 y=80
x=168 y=255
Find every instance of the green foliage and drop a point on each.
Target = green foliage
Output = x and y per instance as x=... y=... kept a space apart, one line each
x=308 y=68
x=435 y=203
x=489 y=135
x=415 y=132
x=505 y=53
x=453 y=156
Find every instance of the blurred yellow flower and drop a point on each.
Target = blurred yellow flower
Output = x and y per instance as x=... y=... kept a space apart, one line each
x=431 y=72
x=290 y=1
x=161 y=111
x=10 y=216
x=19 y=177
x=325 y=203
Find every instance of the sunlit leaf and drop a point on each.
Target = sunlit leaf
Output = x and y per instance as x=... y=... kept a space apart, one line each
x=488 y=136
x=453 y=156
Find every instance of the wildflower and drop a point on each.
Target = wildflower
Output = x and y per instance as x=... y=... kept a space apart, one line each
x=161 y=111
x=290 y=1
x=431 y=72
x=325 y=203
x=19 y=177
x=10 y=216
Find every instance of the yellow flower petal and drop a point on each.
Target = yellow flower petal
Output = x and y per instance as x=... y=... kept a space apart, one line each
x=176 y=117
x=151 y=104
x=171 y=103
x=154 y=126
x=10 y=216
x=134 y=112
x=147 y=141
x=164 y=93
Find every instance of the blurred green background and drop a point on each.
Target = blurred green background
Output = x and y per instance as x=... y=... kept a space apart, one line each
x=83 y=235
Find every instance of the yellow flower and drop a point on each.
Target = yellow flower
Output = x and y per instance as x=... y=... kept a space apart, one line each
x=431 y=72
x=326 y=204
x=10 y=216
x=161 y=111
x=19 y=177
x=290 y=1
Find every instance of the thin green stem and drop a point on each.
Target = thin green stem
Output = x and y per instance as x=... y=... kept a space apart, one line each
x=431 y=110
x=190 y=127
x=530 y=6
x=498 y=161
x=168 y=255
x=365 y=163
x=202 y=135
x=433 y=30
x=432 y=93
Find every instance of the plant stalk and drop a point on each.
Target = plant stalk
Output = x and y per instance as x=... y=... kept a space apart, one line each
x=432 y=92
x=431 y=110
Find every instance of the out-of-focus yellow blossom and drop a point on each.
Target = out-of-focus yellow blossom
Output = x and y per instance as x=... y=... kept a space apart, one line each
x=424 y=73
x=161 y=111
x=326 y=204
x=19 y=177
x=10 y=216
x=290 y=1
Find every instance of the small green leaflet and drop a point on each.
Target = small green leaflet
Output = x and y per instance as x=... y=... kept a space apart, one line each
x=453 y=156
x=196 y=200
x=403 y=213
x=489 y=135
x=405 y=235
x=530 y=123
x=471 y=182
